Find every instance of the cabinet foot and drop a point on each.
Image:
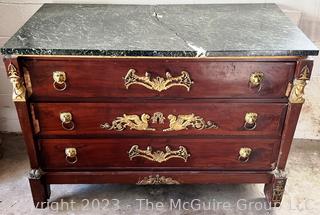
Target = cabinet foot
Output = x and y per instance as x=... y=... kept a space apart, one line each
x=39 y=188
x=275 y=190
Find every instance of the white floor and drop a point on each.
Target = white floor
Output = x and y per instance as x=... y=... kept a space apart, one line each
x=309 y=122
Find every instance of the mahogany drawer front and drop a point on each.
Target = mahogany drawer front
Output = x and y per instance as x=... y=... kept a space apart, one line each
x=171 y=153
x=162 y=119
x=101 y=78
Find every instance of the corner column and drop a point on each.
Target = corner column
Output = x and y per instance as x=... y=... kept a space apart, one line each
x=39 y=188
x=275 y=190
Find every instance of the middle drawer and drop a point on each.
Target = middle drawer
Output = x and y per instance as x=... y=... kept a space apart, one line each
x=254 y=119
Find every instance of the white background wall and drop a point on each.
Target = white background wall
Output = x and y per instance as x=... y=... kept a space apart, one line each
x=14 y=13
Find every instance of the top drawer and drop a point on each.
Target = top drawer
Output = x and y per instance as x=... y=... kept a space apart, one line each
x=136 y=78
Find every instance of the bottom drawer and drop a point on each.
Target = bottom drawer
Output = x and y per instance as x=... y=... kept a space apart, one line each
x=159 y=153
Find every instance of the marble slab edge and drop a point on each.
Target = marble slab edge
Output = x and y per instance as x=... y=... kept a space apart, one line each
x=151 y=53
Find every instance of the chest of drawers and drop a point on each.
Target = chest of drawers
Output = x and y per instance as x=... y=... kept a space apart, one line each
x=151 y=117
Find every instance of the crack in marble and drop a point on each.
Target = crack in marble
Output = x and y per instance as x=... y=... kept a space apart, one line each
x=201 y=52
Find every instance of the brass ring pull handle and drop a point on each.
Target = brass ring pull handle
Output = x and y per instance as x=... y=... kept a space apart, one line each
x=256 y=80
x=158 y=83
x=59 y=80
x=250 y=121
x=244 y=154
x=71 y=155
x=66 y=121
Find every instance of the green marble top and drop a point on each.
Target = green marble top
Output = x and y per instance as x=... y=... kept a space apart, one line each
x=160 y=30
